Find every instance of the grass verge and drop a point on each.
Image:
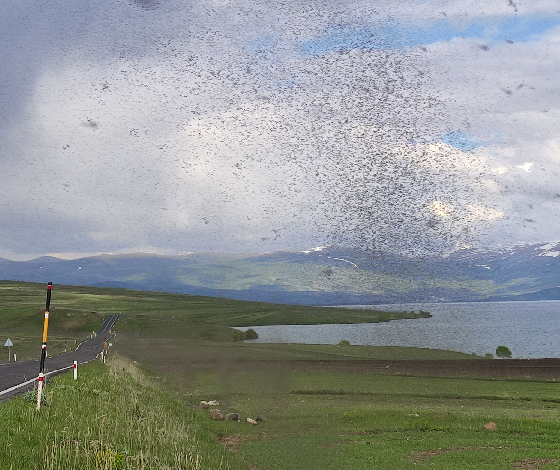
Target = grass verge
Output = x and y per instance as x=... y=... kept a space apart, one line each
x=113 y=417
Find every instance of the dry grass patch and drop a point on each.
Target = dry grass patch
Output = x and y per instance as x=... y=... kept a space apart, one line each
x=424 y=455
x=533 y=464
x=233 y=442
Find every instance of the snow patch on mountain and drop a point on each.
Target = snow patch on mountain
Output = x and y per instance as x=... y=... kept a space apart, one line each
x=548 y=246
x=345 y=260
x=317 y=248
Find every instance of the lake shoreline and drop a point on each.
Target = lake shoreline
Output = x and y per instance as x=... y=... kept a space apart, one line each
x=530 y=329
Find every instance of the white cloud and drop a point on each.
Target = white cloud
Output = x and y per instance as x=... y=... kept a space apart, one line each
x=477 y=212
x=441 y=209
x=500 y=170
x=526 y=166
x=207 y=129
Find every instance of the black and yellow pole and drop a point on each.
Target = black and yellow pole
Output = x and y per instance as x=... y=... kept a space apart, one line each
x=44 y=347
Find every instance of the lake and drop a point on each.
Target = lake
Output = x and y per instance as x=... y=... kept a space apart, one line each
x=529 y=329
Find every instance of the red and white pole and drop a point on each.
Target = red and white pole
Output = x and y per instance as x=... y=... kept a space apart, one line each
x=40 y=390
x=44 y=347
x=75 y=370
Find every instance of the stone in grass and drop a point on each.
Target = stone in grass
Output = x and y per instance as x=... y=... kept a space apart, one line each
x=216 y=415
x=251 y=421
x=204 y=405
x=214 y=403
x=491 y=426
x=233 y=417
x=262 y=418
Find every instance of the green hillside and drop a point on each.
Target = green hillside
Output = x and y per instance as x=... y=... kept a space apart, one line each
x=77 y=311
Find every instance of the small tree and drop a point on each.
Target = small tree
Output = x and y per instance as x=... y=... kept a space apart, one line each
x=243 y=335
x=251 y=334
x=503 y=351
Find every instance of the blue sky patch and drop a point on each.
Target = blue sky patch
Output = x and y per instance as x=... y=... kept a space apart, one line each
x=263 y=44
x=526 y=28
x=394 y=35
x=461 y=140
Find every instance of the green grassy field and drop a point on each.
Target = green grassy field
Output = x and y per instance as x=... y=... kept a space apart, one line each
x=144 y=416
x=319 y=419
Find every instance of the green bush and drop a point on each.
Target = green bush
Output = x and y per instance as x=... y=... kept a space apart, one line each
x=503 y=351
x=251 y=334
x=243 y=335
x=238 y=335
x=344 y=342
x=31 y=396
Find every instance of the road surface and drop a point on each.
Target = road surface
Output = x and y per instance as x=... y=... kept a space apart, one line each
x=17 y=377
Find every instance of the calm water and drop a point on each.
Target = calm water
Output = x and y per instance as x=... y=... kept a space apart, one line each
x=529 y=329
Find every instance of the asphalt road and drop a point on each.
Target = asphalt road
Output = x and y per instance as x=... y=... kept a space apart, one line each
x=14 y=374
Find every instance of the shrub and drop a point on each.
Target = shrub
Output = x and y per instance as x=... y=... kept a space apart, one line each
x=344 y=342
x=251 y=334
x=503 y=351
x=489 y=356
x=243 y=335
x=31 y=396
x=238 y=335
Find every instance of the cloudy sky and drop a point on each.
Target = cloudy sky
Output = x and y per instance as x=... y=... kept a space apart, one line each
x=172 y=126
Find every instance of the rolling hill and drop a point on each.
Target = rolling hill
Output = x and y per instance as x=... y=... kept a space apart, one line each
x=319 y=276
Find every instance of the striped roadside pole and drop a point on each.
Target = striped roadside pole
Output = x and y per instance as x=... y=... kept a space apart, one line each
x=44 y=347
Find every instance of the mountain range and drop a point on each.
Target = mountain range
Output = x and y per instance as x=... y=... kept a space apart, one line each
x=330 y=275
